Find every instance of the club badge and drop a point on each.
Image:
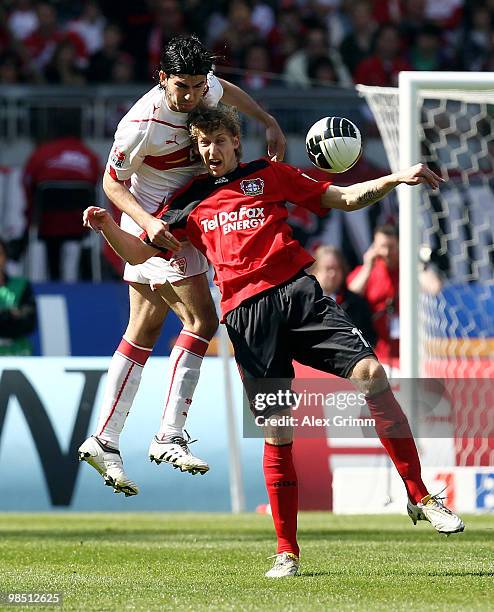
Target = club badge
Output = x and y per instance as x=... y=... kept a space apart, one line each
x=118 y=157
x=179 y=265
x=252 y=187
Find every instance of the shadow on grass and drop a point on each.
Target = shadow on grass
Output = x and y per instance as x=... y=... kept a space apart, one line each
x=164 y=534
x=318 y=574
x=459 y=573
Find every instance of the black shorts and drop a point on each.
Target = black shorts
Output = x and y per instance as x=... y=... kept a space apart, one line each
x=294 y=321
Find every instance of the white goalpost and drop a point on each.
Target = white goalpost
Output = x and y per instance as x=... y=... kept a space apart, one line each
x=445 y=119
x=413 y=86
x=403 y=115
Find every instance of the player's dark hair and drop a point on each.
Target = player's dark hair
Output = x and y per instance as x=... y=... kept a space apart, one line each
x=388 y=230
x=186 y=55
x=209 y=120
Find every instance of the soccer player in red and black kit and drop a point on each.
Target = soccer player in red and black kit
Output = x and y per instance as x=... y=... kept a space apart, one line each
x=274 y=312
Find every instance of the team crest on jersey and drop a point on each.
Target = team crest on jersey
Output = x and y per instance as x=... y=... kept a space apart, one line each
x=252 y=187
x=118 y=157
x=179 y=265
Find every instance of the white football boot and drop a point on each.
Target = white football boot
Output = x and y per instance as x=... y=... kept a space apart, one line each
x=285 y=566
x=175 y=451
x=432 y=509
x=108 y=462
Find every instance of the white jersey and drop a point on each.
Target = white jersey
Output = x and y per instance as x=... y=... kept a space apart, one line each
x=152 y=147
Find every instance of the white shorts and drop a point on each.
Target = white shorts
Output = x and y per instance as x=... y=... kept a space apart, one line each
x=156 y=270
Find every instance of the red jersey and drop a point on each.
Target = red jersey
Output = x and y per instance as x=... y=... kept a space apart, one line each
x=374 y=71
x=381 y=292
x=63 y=159
x=239 y=222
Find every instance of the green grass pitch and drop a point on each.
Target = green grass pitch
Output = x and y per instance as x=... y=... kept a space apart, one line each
x=150 y=561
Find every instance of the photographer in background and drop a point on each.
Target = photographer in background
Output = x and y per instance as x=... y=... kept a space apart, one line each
x=17 y=311
x=377 y=280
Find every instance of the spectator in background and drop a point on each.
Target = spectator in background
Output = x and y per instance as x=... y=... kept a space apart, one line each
x=377 y=280
x=63 y=68
x=321 y=72
x=447 y=14
x=123 y=71
x=426 y=52
x=296 y=70
x=389 y=11
x=102 y=63
x=7 y=41
x=285 y=38
x=333 y=15
x=10 y=69
x=386 y=62
x=23 y=19
x=488 y=63
x=330 y=269
x=478 y=39
x=168 y=21
x=412 y=20
x=239 y=34
x=357 y=44
x=89 y=26
x=431 y=276
x=17 y=311
x=216 y=21
x=41 y=44
x=257 y=68
x=63 y=159
x=263 y=17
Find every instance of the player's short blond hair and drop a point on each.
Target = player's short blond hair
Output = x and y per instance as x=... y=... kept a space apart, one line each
x=329 y=249
x=208 y=120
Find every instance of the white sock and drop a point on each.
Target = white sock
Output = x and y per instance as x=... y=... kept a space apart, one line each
x=184 y=369
x=124 y=376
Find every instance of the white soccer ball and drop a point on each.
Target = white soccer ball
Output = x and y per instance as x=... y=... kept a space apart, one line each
x=334 y=144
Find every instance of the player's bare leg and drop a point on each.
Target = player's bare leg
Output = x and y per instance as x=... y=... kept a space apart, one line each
x=191 y=300
x=394 y=432
x=147 y=313
x=282 y=488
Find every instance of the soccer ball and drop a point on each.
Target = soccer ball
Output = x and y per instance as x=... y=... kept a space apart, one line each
x=334 y=144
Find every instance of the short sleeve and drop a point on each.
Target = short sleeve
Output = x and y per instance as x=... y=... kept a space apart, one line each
x=214 y=91
x=128 y=150
x=299 y=188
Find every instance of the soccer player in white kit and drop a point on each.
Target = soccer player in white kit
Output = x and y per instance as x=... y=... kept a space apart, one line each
x=153 y=151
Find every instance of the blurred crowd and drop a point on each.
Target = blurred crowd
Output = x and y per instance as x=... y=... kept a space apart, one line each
x=295 y=43
x=258 y=42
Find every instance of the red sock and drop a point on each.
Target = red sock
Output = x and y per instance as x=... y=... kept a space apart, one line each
x=396 y=437
x=282 y=487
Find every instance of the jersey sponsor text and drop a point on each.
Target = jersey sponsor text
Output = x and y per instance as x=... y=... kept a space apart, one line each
x=243 y=219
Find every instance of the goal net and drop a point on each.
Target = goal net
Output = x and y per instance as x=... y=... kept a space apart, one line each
x=446 y=240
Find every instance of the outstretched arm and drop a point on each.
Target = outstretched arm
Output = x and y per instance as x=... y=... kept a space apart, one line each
x=361 y=195
x=123 y=199
x=234 y=96
x=128 y=247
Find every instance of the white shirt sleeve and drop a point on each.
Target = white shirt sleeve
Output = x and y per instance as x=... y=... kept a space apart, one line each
x=128 y=150
x=214 y=92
